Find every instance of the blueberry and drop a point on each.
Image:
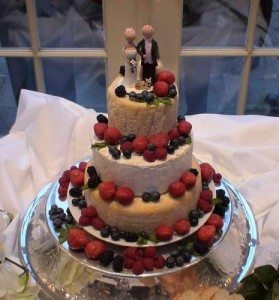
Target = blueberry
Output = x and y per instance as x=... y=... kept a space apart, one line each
x=91 y=171
x=62 y=216
x=105 y=232
x=57 y=223
x=123 y=234
x=68 y=211
x=146 y=197
x=112 y=148
x=75 y=201
x=93 y=181
x=60 y=210
x=116 y=154
x=194 y=222
x=149 y=98
x=132 y=95
x=170 y=149
x=69 y=219
x=127 y=154
x=200 y=248
x=174 y=253
x=220 y=210
x=172 y=86
x=102 y=119
x=170 y=262
x=180 y=118
x=172 y=93
x=82 y=203
x=52 y=212
x=131 y=237
x=115 y=235
x=150 y=147
x=54 y=207
x=139 y=96
x=131 y=137
x=220 y=193
x=182 y=140
x=53 y=217
x=179 y=261
x=144 y=94
x=193 y=214
x=186 y=256
x=175 y=143
x=114 y=229
x=200 y=213
x=155 y=196
x=120 y=91
x=226 y=201
x=123 y=139
x=75 y=191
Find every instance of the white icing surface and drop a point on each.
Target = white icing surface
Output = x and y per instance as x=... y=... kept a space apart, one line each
x=142 y=176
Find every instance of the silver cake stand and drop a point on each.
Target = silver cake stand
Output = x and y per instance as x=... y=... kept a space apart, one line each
x=62 y=275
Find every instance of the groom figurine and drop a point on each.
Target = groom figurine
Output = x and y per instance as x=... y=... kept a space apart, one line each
x=149 y=51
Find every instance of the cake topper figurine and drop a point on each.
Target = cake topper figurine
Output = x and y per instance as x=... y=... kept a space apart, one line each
x=149 y=51
x=129 y=54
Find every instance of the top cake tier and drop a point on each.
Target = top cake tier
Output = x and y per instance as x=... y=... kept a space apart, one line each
x=139 y=118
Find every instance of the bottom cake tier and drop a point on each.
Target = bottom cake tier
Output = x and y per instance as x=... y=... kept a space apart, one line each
x=146 y=216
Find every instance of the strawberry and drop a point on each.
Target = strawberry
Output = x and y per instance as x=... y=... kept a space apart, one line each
x=215 y=220
x=112 y=135
x=77 y=238
x=176 y=189
x=206 y=195
x=189 y=180
x=130 y=252
x=161 y=153
x=148 y=264
x=184 y=128
x=150 y=251
x=124 y=195
x=159 y=262
x=82 y=166
x=138 y=267
x=97 y=223
x=206 y=172
x=94 y=249
x=217 y=177
x=89 y=212
x=205 y=205
x=99 y=130
x=64 y=181
x=107 y=190
x=77 y=178
x=62 y=191
x=160 y=89
x=139 y=144
x=149 y=155
x=206 y=234
x=84 y=221
x=181 y=226
x=173 y=134
x=164 y=232
x=128 y=262
x=159 y=140
x=126 y=146
x=166 y=76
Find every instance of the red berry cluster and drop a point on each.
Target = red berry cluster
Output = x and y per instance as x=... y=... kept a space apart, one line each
x=89 y=216
x=208 y=174
x=75 y=176
x=163 y=85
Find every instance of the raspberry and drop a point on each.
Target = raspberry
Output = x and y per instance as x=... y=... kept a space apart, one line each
x=215 y=220
x=82 y=166
x=161 y=153
x=124 y=195
x=138 y=267
x=148 y=264
x=64 y=181
x=206 y=234
x=206 y=195
x=204 y=205
x=149 y=155
x=130 y=252
x=184 y=128
x=206 y=172
x=173 y=134
x=189 y=180
x=126 y=146
x=159 y=262
x=164 y=232
x=176 y=189
x=139 y=144
x=159 y=140
x=166 y=76
x=150 y=251
x=84 y=221
x=77 y=238
x=160 y=89
x=62 y=191
x=102 y=119
x=66 y=174
x=139 y=254
x=76 y=177
x=99 y=130
x=182 y=227
x=217 y=177
x=112 y=136
x=89 y=212
x=107 y=190
x=97 y=223
x=120 y=91
x=94 y=249
x=128 y=262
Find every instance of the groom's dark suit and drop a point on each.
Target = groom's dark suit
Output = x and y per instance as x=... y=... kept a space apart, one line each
x=148 y=69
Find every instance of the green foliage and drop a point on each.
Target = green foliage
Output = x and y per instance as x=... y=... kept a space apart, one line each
x=63 y=232
x=99 y=145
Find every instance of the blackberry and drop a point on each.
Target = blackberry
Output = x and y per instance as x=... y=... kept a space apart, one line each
x=220 y=210
x=75 y=191
x=132 y=95
x=62 y=216
x=116 y=154
x=146 y=197
x=111 y=149
x=174 y=143
x=172 y=93
x=82 y=203
x=120 y=91
x=170 y=262
x=123 y=139
x=220 y=193
x=122 y=70
x=57 y=223
x=51 y=212
x=131 y=137
x=149 y=98
x=226 y=201
x=144 y=94
x=131 y=237
x=194 y=222
x=150 y=147
x=170 y=149
x=194 y=171
x=155 y=196
x=200 y=213
x=105 y=232
x=93 y=181
x=91 y=171
x=115 y=235
x=123 y=234
x=193 y=214
x=102 y=119
x=179 y=261
x=200 y=248
x=106 y=258
x=187 y=256
x=182 y=140
x=69 y=219
x=117 y=263
x=75 y=201
x=127 y=154
x=180 y=118
x=54 y=216
x=174 y=253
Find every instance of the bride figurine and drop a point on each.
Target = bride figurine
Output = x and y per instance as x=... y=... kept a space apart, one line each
x=129 y=54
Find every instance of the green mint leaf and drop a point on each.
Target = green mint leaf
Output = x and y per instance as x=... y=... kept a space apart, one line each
x=165 y=100
x=141 y=241
x=152 y=238
x=216 y=201
x=98 y=145
x=63 y=232
x=188 y=140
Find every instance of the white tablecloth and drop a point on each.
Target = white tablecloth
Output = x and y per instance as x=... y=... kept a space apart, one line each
x=51 y=133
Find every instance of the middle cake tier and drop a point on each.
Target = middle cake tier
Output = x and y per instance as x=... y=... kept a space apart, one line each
x=140 y=175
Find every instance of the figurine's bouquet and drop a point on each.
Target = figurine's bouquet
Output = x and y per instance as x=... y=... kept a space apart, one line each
x=133 y=64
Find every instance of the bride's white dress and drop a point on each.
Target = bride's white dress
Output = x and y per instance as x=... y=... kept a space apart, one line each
x=130 y=78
